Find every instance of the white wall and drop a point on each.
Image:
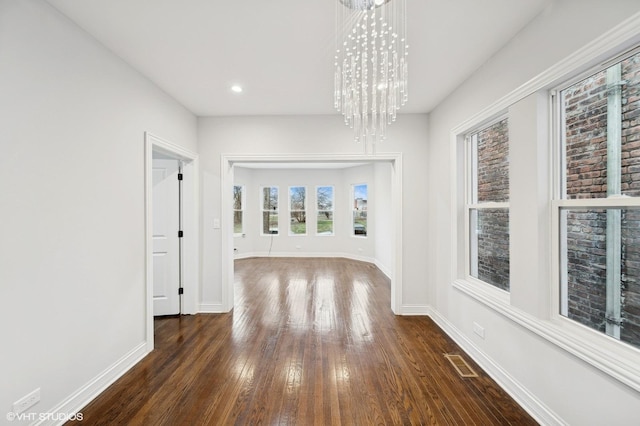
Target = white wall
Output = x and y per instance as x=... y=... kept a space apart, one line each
x=543 y=376
x=342 y=243
x=311 y=135
x=72 y=255
x=383 y=229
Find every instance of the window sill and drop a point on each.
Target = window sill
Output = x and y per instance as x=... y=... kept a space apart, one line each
x=613 y=357
x=484 y=292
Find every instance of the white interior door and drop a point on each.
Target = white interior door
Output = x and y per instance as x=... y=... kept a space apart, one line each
x=166 y=245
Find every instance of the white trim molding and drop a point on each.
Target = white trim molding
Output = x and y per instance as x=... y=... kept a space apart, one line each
x=580 y=341
x=618 y=360
x=191 y=268
x=211 y=308
x=309 y=255
x=383 y=268
x=539 y=411
x=87 y=393
x=622 y=37
x=415 y=310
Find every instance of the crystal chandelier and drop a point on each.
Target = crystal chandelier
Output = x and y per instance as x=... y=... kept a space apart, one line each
x=371 y=65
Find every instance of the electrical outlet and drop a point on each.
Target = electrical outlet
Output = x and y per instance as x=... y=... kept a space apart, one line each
x=478 y=329
x=26 y=402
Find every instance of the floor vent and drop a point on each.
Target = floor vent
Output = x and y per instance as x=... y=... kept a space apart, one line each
x=461 y=366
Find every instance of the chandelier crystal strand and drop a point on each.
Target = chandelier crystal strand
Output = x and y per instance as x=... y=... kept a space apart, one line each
x=371 y=65
x=365 y=76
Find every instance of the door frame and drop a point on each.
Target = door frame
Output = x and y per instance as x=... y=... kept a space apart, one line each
x=227 y=177
x=190 y=226
x=167 y=244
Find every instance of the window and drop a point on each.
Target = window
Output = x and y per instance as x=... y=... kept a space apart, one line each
x=359 y=210
x=238 y=212
x=269 y=210
x=324 y=206
x=487 y=204
x=298 y=210
x=576 y=199
x=598 y=207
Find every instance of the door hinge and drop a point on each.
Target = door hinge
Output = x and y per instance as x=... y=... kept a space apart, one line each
x=180 y=175
x=180 y=234
x=181 y=290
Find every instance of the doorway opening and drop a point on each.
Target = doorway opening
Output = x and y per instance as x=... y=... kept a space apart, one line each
x=229 y=162
x=171 y=213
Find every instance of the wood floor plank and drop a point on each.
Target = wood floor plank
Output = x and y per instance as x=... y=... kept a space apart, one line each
x=309 y=342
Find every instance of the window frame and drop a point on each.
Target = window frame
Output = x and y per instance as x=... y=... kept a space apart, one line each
x=470 y=202
x=262 y=210
x=352 y=233
x=291 y=211
x=333 y=208
x=243 y=198
x=590 y=337
x=618 y=361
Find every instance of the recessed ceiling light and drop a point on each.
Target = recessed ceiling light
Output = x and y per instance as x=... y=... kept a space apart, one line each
x=236 y=88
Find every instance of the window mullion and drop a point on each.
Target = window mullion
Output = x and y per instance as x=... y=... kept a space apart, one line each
x=473 y=175
x=614 y=187
x=489 y=205
x=611 y=202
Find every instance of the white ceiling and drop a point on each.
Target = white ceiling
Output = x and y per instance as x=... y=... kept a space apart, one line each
x=281 y=51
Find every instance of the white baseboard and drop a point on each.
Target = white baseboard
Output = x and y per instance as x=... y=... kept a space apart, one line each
x=383 y=268
x=415 y=310
x=528 y=401
x=357 y=257
x=83 y=396
x=308 y=254
x=237 y=256
x=210 y=308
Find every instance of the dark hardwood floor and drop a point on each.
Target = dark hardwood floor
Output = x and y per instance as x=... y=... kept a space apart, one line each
x=309 y=342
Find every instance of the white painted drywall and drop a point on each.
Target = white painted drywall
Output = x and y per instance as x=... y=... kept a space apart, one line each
x=72 y=255
x=311 y=135
x=383 y=228
x=571 y=390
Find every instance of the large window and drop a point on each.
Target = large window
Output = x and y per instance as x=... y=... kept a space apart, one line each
x=359 y=210
x=556 y=223
x=238 y=209
x=298 y=210
x=487 y=204
x=598 y=206
x=269 y=196
x=324 y=207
